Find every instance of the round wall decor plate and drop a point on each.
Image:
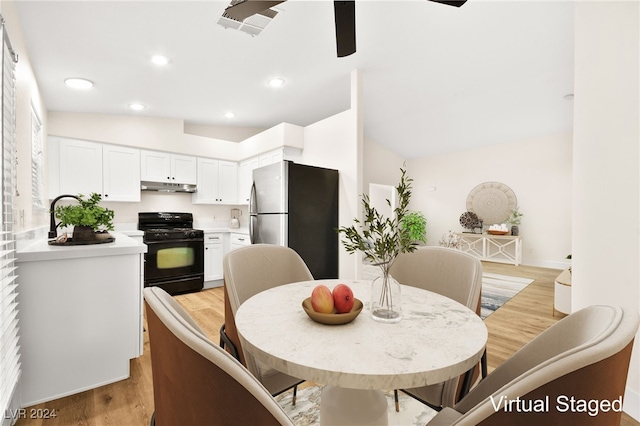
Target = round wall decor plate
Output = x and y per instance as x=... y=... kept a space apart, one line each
x=493 y=202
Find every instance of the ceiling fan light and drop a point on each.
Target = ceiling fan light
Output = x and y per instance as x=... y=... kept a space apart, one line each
x=79 y=83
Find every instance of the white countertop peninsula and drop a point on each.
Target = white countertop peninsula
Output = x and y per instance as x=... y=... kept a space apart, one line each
x=40 y=249
x=80 y=315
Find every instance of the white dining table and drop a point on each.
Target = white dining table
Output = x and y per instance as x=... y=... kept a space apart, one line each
x=436 y=340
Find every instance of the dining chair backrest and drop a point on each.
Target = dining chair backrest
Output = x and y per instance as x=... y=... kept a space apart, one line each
x=584 y=356
x=195 y=382
x=248 y=271
x=258 y=267
x=451 y=273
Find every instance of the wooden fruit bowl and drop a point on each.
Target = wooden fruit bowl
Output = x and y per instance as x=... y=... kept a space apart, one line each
x=332 y=319
x=494 y=232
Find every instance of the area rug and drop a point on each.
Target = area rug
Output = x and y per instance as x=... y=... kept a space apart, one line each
x=306 y=412
x=498 y=289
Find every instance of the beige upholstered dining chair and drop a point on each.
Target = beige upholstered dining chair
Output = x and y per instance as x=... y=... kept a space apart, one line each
x=248 y=271
x=453 y=274
x=584 y=356
x=196 y=382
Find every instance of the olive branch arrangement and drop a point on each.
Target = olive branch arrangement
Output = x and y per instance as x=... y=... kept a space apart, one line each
x=382 y=239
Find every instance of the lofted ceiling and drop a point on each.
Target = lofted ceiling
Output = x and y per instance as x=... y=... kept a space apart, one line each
x=435 y=78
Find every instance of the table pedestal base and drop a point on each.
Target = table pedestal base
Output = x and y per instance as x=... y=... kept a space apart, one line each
x=350 y=407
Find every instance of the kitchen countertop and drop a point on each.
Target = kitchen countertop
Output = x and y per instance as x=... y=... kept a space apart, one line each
x=39 y=250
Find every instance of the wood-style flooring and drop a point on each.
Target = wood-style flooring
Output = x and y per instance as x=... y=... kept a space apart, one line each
x=130 y=402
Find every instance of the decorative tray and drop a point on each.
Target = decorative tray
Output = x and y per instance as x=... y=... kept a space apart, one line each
x=492 y=232
x=332 y=319
x=70 y=242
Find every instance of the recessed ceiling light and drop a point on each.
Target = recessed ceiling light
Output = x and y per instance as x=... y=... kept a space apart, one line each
x=78 y=83
x=276 y=82
x=229 y=114
x=137 y=106
x=160 y=60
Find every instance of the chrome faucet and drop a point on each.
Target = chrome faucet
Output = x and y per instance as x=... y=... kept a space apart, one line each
x=52 y=224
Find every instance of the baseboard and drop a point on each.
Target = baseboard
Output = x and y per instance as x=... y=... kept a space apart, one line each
x=632 y=403
x=551 y=264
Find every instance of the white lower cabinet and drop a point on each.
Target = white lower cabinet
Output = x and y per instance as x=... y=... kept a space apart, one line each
x=239 y=240
x=80 y=318
x=213 y=255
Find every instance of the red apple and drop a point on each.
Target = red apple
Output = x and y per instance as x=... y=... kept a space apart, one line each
x=342 y=298
x=321 y=299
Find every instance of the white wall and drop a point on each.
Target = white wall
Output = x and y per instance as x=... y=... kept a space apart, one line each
x=161 y=134
x=27 y=95
x=537 y=170
x=381 y=166
x=336 y=143
x=606 y=177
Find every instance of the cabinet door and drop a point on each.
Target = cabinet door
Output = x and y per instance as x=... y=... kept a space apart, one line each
x=245 y=179
x=207 y=192
x=213 y=254
x=271 y=157
x=155 y=166
x=228 y=182
x=183 y=169
x=121 y=174
x=80 y=167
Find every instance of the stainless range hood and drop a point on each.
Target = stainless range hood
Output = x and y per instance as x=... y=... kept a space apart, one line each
x=167 y=187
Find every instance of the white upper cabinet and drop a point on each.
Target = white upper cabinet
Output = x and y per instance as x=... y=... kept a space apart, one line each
x=217 y=182
x=245 y=179
x=245 y=170
x=80 y=167
x=83 y=167
x=158 y=166
x=121 y=174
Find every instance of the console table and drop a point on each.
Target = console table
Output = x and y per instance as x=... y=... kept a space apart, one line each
x=493 y=248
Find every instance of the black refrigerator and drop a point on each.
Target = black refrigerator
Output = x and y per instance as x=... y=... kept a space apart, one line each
x=296 y=206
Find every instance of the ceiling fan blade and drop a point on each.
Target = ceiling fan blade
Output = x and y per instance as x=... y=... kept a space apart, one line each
x=345 y=15
x=241 y=10
x=451 y=2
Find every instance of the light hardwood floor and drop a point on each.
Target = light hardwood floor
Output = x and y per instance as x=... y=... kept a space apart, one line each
x=130 y=402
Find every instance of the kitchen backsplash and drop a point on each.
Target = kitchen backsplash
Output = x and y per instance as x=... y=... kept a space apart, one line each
x=127 y=213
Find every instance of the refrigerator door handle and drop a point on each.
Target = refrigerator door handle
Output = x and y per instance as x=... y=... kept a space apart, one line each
x=253 y=202
x=252 y=220
x=252 y=212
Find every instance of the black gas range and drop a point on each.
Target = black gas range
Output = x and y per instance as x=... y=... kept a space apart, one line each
x=175 y=252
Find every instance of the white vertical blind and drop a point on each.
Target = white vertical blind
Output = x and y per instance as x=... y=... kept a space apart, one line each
x=9 y=330
x=37 y=161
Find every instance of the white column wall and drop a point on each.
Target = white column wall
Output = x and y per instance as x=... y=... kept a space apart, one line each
x=606 y=172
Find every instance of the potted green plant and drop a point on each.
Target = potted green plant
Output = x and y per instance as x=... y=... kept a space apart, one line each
x=90 y=221
x=514 y=220
x=381 y=239
x=416 y=224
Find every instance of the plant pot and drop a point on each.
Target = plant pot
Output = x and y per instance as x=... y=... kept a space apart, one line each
x=84 y=233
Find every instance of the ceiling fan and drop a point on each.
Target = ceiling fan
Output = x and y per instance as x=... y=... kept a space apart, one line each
x=344 y=11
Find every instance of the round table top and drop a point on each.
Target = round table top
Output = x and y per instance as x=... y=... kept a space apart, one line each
x=437 y=338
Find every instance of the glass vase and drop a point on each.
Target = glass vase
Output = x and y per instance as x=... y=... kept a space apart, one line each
x=385 y=299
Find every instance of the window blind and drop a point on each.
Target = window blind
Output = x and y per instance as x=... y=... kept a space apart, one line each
x=9 y=330
x=37 y=162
